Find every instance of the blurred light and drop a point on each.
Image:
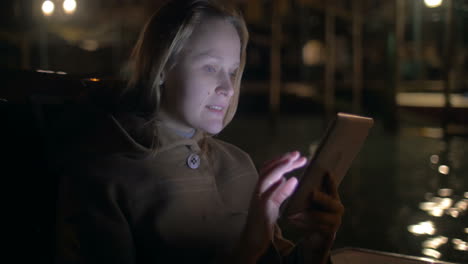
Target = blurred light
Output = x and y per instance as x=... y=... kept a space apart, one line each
x=51 y=72
x=426 y=206
x=94 y=79
x=445 y=192
x=466 y=230
x=435 y=242
x=443 y=169
x=459 y=244
x=422 y=228
x=431 y=253
x=435 y=159
x=312 y=53
x=446 y=203
x=461 y=205
x=453 y=212
x=437 y=212
x=433 y=3
x=69 y=6
x=461 y=247
x=432 y=132
x=89 y=45
x=436 y=206
x=48 y=8
x=466 y=195
x=45 y=71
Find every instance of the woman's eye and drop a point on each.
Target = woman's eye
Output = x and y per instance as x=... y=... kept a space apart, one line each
x=210 y=68
x=233 y=74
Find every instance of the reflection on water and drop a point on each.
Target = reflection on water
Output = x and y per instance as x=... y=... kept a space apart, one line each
x=436 y=206
x=422 y=228
x=460 y=244
x=445 y=192
x=405 y=193
x=431 y=253
x=435 y=242
x=448 y=203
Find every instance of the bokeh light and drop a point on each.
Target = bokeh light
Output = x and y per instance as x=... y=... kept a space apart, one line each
x=445 y=192
x=459 y=244
x=423 y=228
x=444 y=169
x=435 y=242
x=312 y=53
x=433 y=3
x=48 y=8
x=69 y=6
x=431 y=253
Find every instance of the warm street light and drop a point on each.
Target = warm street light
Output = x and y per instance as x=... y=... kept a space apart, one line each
x=433 y=3
x=69 y=6
x=48 y=8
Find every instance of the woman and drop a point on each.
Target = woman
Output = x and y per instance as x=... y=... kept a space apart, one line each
x=150 y=184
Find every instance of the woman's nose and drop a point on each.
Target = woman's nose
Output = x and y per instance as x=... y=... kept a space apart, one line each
x=226 y=86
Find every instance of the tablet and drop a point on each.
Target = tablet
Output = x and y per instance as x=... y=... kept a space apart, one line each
x=339 y=146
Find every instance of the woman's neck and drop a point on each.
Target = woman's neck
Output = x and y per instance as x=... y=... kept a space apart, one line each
x=178 y=127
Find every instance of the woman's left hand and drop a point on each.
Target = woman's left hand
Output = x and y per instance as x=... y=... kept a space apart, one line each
x=321 y=220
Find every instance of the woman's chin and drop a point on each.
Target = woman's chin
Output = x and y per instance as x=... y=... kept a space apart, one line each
x=213 y=128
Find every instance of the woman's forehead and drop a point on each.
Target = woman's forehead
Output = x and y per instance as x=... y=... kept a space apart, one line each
x=215 y=38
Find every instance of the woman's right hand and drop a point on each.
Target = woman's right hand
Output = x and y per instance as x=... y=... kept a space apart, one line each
x=271 y=190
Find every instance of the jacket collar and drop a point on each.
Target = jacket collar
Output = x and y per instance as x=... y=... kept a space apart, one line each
x=144 y=134
x=167 y=138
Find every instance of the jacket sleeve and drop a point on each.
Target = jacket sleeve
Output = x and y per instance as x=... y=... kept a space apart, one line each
x=92 y=222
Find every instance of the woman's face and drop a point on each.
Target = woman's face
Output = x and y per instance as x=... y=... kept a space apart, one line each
x=199 y=88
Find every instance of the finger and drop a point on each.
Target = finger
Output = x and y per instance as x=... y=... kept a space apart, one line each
x=268 y=166
x=324 y=202
x=284 y=191
x=317 y=218
x=265 y=199
x=278 y=172
x=330 y=186
x=282 y=156
x=323 y=228
x=322 y=222
x=271 y=176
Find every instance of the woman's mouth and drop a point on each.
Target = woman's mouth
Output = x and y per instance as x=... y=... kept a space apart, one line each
x=215 y=108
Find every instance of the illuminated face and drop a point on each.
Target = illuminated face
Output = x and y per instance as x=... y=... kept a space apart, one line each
x=199 y=88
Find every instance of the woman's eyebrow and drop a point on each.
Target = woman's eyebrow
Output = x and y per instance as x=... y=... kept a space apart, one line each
x=207 y=54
